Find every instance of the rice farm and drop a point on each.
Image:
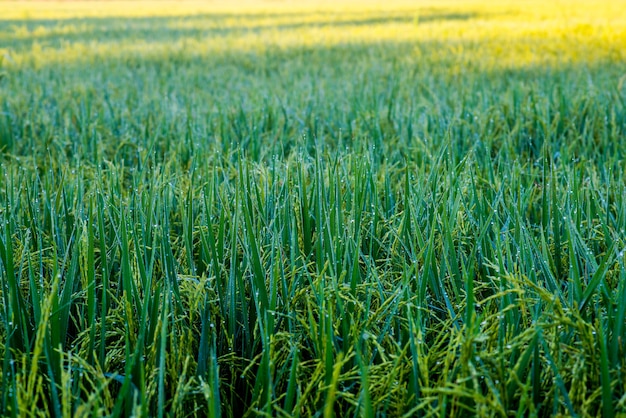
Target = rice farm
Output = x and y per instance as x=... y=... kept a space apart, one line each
x=313 y=208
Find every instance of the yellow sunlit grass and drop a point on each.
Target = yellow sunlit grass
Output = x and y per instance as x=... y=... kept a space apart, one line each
x=509 y=34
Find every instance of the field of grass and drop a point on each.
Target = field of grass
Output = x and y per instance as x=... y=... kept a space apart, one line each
x=316 y=208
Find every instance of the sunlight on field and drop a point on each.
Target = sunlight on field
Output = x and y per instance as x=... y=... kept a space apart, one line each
x=313 y=208
x=489 y=36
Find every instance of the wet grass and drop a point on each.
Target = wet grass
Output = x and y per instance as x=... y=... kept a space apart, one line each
x=312 y=210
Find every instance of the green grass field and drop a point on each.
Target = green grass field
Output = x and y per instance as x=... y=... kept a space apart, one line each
x=316 y=208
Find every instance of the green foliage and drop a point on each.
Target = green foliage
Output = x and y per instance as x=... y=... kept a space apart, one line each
x=206 y=220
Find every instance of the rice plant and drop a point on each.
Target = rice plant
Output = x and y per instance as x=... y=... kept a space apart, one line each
x=312 y=209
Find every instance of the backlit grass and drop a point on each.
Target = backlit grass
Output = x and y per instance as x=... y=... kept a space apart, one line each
x=313 y=209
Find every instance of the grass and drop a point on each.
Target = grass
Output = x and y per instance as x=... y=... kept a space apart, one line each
x=313 y=209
